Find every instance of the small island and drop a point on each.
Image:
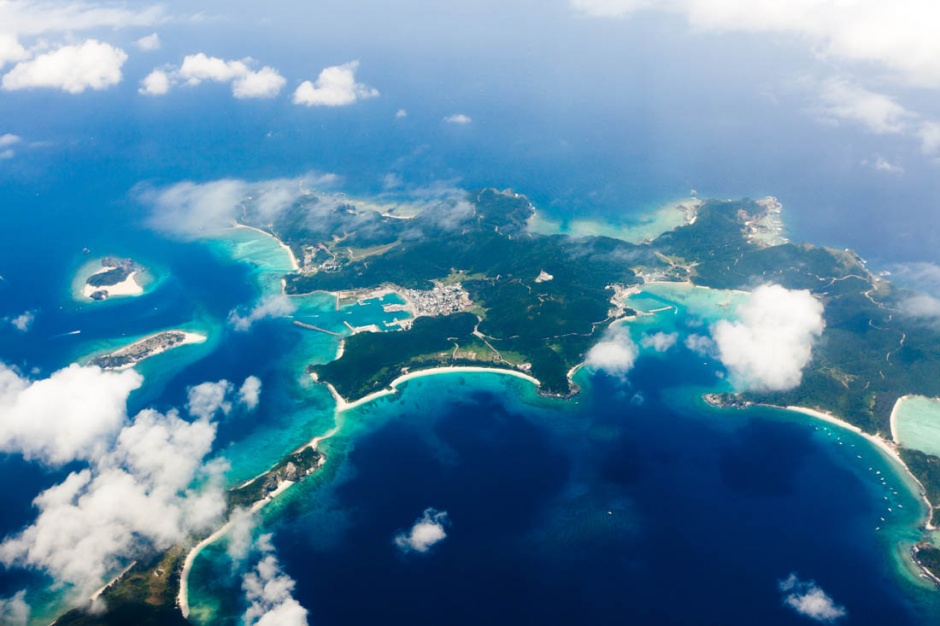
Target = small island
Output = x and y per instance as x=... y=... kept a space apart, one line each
x=116 y=277
x=142 y=349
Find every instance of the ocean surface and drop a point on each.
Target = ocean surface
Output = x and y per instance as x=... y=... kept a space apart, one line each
x=632 y=503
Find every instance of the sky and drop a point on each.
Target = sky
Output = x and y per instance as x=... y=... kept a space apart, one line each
x=828 y=105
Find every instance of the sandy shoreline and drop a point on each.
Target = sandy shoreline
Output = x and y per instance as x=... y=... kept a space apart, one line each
x=344 y=405
x=188 y=338
x=127 y=287
x=293 y=259
x=894 y=416
x=182 y=598
x=888 y=448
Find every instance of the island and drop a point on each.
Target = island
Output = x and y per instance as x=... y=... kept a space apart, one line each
x=142 y=349
x=115 y=278
x=486 y=291
x=536 y=303
x=151 y=591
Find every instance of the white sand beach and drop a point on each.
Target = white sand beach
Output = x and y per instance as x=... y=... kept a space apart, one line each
x=188 y=338
x=888 y=448
x=343 y=405
x=293 y=259
x=127 y=287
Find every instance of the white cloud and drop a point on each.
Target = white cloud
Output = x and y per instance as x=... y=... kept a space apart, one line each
x=660 y=341
x=68 y=416
x=207 y=399
x=242 y=523
x=899 y=36
x=267 y=308
x=427 y=531
x=14 y=611
x=854 y=35
x=265 y=83
x=149 y=43
x=401 y=114
x=458 y=118
x=270 y=592
x=921 y=305
x=23 y=321
x=335 y=86
x=702 y=345
x=136 y=496
x=250 y=393
x=882 y=164
x=196 y=209
x=36 y=18
x=198 y=68
x=156 y=83
x=923 y=276
x=90 y=65
x=615 y=353
x=929 y=135
x=10 y=49
x=608 y=8
x=193 y=210
x=877 y=113
x=772 y=343
x=807 y=599
x=8 y=139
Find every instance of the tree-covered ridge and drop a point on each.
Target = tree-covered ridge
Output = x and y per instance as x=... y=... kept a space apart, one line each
x=542 y=326
x=871 y=352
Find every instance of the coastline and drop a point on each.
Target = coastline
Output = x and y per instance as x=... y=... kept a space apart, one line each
x=888 y=448
x=127 y=287
x=343 y=405
x=188 y=338
x=293 y=259
x=894 y=415
x=182 y=596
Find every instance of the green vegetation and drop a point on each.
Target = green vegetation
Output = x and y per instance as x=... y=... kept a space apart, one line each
x=145 y=595
x=549 y=325
x=119 y=271
x=929 y=558
x=293 y=467
x=372 y=361
x=871 y=353
x=926 y=468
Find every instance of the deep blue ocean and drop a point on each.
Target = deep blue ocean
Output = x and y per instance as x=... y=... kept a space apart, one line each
x=632 y=503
